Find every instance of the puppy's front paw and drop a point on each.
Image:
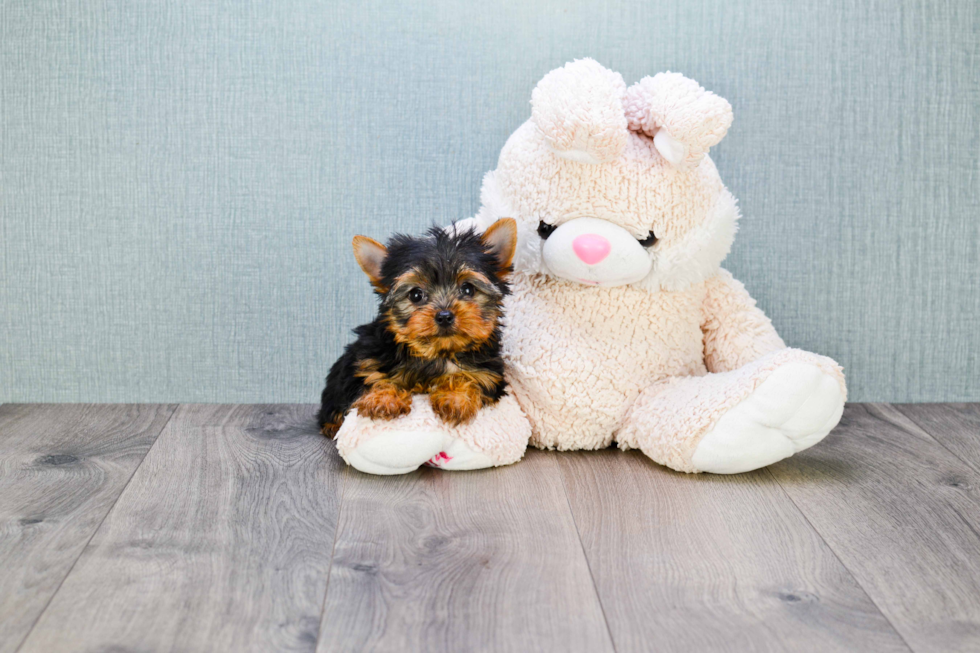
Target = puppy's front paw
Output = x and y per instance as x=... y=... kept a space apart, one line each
x=384 y=402
x=330 y=428
x=457 y=405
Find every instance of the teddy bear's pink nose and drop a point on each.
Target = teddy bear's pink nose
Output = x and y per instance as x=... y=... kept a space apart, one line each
x=591 y=248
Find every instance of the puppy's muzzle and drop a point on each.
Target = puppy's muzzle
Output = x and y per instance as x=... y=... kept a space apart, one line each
x=445 y=319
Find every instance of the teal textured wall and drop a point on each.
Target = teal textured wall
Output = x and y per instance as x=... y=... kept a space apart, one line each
x=180 y=181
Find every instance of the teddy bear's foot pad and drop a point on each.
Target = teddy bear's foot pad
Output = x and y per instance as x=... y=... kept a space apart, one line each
x=458 y=456
x=497 y=436
x=792 y=410
x=401 y=452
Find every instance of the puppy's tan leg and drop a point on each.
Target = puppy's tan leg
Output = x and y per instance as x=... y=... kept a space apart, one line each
x=384 y=401
x=330 y=428
x=455 y=399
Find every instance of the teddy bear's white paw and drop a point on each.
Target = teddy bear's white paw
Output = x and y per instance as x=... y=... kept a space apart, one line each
x=396 y=451
x=456 y=455
x=401 y=452
x=796 y=407
x=498 y=436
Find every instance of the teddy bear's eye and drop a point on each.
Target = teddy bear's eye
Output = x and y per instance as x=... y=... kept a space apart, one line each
x=649 y=241
x=545 y=229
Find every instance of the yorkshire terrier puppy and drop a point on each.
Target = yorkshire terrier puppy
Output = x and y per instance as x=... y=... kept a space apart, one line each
x=437 y=331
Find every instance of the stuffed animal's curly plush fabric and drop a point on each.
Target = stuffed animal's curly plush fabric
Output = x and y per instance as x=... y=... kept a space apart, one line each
x=622 y=326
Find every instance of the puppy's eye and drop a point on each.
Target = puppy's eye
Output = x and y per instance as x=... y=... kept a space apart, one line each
x=545 y=229
x=416 y=295
x=649 y=241
x=467 y=290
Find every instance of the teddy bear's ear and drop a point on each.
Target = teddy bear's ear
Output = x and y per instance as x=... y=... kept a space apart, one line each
x=684 y=119
x=579 y=109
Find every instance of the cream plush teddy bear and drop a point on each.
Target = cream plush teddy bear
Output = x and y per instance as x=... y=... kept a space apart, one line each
x=622 y=326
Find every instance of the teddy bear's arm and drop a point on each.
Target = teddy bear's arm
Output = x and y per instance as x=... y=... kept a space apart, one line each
x=736 y=331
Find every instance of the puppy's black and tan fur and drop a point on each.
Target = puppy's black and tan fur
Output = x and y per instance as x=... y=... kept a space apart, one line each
x=437 y=331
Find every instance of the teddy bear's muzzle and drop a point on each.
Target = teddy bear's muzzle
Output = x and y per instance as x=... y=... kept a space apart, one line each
x=591 y=248
x=595 y=252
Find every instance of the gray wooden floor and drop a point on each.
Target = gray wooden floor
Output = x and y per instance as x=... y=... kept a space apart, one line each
x=238 y=528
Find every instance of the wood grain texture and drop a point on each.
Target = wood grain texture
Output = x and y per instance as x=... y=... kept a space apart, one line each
x=461 y=561
x=712 y=563
x=221 y=542
x=903 y=514
x=61 y=470
x=955 y=426
x=224 y=535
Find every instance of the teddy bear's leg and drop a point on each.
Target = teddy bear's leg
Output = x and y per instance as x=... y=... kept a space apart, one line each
x=497 y=436
x=456 y=455
x=737 y=421
x=388 y=450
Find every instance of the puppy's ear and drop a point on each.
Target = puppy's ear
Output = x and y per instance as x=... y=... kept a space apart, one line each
x=370 y=254
x=501 y=239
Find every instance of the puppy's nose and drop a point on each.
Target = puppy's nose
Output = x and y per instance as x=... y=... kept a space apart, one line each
x=591 y=248
x=444 y=318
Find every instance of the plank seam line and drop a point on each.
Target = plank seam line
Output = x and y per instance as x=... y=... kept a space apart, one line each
x=588 y=565
x=975 y=467
x=333 y=552
x=837 y=557
x=96 y=529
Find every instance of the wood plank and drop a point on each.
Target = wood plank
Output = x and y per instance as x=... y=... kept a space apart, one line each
x=712 y=563
x=955 y=426
x=903 y=514
x=61 y=469
x=450 y=561
x=221 y=542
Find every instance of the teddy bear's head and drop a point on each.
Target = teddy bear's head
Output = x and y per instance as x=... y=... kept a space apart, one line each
x=612 y=185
